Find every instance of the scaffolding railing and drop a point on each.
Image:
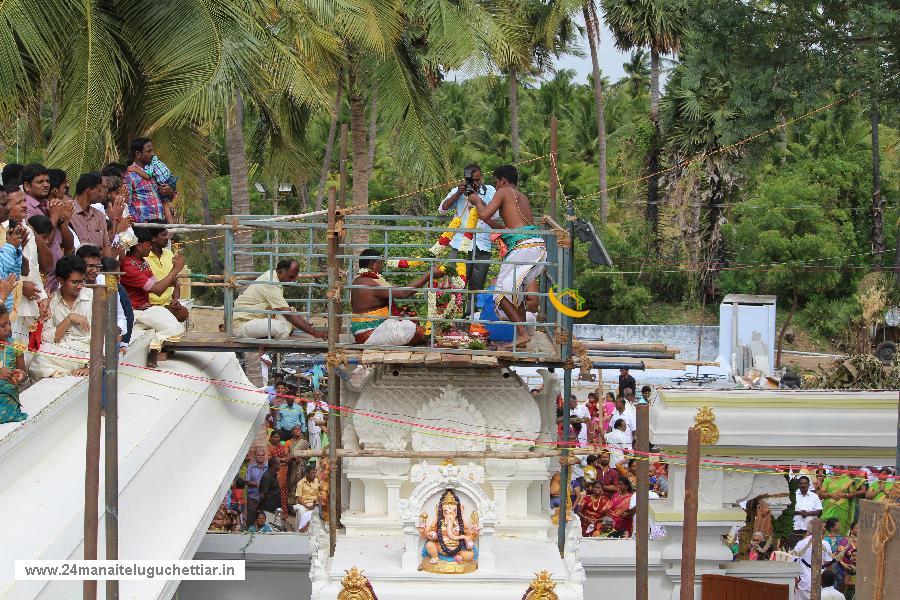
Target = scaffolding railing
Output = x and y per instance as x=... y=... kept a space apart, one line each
x=397 y=238
x=254 y=245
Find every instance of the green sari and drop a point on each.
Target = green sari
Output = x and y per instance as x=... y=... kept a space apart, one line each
x=882 y=488
x=842 y=508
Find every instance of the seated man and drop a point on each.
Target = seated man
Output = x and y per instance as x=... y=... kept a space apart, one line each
x=67 y=333
x=93 y=262
x=527 y=251
x=267 y=294
x=307 y=493
x=139 y=282
x=161 y=259
x=373 y=303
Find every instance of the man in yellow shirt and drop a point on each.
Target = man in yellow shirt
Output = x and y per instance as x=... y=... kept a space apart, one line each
x=307 y=498
x=266 y=294
x=160 y=260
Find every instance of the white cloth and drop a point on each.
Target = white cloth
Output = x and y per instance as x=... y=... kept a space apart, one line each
x=161 y=322
x=617 y=441
x=461 y=208
x=803 y=550
x=393 y=332
x=259 y=328
x=313 y=426
x=52 y=360
x=513 y=279
x=304 y=515
x=829 y=593
x=808 y=502
x=121 y=321
x=582 y=412
x=28 y=309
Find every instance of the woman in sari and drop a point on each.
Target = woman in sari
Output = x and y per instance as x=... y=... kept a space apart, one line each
x=837 y=494
x=297 y=465
x=609 y=407
x=618 y=509
x=592 y=508
x=846 y=558
x=280 y=452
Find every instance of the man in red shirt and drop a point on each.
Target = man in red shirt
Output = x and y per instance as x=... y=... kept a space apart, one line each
x=139 y=282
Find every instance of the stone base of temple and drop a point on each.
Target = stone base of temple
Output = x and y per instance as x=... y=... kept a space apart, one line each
x=516 y=563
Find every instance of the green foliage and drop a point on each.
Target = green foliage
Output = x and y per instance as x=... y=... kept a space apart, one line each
x=828 y=319
x=783 y=525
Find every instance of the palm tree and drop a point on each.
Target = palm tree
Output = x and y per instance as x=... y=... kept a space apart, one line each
x=658 y=25
x=637 y=72
x=592 y=25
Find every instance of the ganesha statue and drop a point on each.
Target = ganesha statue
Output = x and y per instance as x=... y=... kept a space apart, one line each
x=449 y=540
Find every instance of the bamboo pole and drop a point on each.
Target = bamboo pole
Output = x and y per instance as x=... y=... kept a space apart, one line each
x=92 y=446
x=641 y=520
x=817 y=528
x=111 y=469
x=554 y=182
x=334 y=309
x=689 y=525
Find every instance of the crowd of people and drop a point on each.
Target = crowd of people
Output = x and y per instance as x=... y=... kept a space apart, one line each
x=277 y=488
x=602 y=485
x=53 y=243
x=831 y=494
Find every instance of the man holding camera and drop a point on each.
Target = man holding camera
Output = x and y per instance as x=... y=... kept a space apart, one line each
x=476 y=274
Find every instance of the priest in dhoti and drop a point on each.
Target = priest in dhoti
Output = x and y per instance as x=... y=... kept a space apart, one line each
x=372 y=300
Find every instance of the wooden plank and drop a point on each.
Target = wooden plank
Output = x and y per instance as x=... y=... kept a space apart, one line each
x=461 y=360
x=432 y=358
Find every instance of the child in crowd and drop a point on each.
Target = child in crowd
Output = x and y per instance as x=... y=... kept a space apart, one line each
x=43 y=232
x=12 y=373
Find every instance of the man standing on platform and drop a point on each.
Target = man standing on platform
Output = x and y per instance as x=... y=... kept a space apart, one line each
x=267 y=294
x=807 y=508
x=626 y=381
x=456 y=201
x=526 y=254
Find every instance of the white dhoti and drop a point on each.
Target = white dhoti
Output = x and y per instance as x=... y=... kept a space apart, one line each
x=304 y=516
x=259 y=328
x=162 y=322
x=514 y=278
x=393 y=332
x=53 y=360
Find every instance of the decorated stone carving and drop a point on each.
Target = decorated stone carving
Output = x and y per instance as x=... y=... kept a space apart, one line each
x=705 y=423
x=426 y=498
x=452 y=411
x=423 y=471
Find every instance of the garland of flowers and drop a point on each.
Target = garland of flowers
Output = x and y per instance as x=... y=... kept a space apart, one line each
x=442 y=246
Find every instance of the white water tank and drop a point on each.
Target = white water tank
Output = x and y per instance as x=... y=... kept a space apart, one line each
x=747 y=321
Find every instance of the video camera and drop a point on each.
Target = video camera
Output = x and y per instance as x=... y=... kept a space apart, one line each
x=471 y=188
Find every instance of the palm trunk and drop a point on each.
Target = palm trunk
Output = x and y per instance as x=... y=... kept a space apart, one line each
x=360 y=152
x=214 y=258
x=329 y=143
x=877 y=201
x=514 y=111
x=593 y=33
x=373 y=130
x=784 y=328
x=237 y=169
x=240 y=205
x=653 y=159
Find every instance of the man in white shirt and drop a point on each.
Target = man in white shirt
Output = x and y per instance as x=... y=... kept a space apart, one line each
x=622 y=413
x=803 y=551
x=580 y=411
x=807 y=508
x=828 y=591
x=456 y=201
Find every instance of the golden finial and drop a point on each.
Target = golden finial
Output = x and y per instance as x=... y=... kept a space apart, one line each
x=447 y=461
x=705 y=423
x=355 y=586
x=541 y=588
